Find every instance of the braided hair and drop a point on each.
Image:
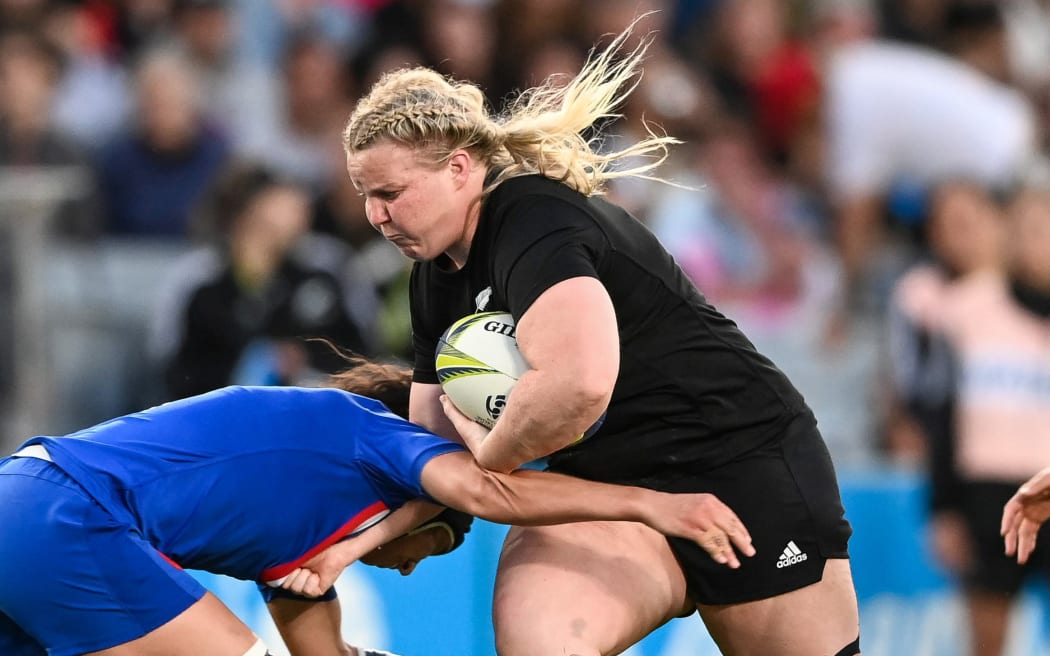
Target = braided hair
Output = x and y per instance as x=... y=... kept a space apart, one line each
x=542 y=131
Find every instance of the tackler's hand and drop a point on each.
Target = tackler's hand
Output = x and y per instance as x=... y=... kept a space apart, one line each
x=704 y=519
x=318 y=575
x=472 y=432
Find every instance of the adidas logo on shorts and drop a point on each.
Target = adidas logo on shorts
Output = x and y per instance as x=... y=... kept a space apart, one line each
x=792 y=555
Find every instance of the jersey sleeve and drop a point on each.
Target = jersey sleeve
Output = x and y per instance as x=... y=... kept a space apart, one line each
x=544 y=240
x=394 y=460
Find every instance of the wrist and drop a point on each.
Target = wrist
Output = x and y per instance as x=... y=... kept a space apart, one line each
x=644 y=504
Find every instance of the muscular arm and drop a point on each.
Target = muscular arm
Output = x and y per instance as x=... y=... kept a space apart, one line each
x=309 y=628
x=570 y=339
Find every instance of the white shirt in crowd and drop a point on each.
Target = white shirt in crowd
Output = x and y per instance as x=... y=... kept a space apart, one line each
x=899 y=112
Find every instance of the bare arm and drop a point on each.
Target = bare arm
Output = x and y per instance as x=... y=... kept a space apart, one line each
x=425 y=410
x=319 y=573
x=309 y=628
x=574 y=368
x=529 y=498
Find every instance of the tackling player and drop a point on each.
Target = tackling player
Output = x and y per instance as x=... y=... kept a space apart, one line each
x=254 y=483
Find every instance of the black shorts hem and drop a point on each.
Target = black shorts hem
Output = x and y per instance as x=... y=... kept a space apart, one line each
x=782 y=586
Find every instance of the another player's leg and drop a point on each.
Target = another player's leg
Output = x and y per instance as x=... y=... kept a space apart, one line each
x=586 y=589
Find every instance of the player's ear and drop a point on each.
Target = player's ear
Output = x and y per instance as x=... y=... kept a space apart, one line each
x=460 y=165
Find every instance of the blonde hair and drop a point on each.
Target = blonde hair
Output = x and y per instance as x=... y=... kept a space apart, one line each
x=542 y=131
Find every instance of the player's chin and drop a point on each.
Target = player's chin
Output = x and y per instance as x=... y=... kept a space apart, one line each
x=411 y=249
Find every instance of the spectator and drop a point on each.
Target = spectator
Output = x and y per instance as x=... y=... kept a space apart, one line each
x=29 y=71
x=905 y=118
x=240 y=99
x=460 y=39
x=156 y=171
x=315 y=92
x=272 y=27
x=964 y=237
x=92 y=100
x=996 y=433
x=240 y=310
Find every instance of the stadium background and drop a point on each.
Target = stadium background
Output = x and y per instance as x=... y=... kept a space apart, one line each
x=97 y=259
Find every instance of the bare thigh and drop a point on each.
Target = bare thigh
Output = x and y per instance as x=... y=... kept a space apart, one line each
x=584 y=589
x=817 y=620
x=207 y=628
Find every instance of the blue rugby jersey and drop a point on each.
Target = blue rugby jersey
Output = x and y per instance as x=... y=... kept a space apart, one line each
x=250 y=481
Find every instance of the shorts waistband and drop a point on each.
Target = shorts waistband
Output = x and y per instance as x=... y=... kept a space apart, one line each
x=34 y=451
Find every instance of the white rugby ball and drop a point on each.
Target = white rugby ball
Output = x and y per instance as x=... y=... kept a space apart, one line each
x=478 y=363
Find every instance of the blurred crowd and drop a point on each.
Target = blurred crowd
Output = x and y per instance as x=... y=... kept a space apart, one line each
x=862 y=184
x=820 y=137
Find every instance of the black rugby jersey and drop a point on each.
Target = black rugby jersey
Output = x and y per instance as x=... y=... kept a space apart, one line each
x=692 y=391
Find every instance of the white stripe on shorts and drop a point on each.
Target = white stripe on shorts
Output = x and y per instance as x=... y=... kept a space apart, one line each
x=258 y=649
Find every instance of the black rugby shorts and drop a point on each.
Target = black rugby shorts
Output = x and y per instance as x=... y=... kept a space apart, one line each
x=786 y=494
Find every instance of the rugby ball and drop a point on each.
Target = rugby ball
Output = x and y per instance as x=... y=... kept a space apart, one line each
x=478 y=363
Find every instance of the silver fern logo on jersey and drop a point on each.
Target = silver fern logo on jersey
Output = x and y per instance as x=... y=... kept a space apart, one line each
x=482 y=299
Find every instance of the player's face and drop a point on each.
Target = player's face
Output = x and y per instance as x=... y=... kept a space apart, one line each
x=418 y=207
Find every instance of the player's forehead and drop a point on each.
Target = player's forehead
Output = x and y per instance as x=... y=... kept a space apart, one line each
x=384 y=163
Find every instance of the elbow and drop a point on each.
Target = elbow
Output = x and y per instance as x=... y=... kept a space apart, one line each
x=591 y=396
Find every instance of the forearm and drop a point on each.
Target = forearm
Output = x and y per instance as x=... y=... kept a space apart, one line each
x=537 y=498
x=528 y=498
x=547 y=413
x=406 y=518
